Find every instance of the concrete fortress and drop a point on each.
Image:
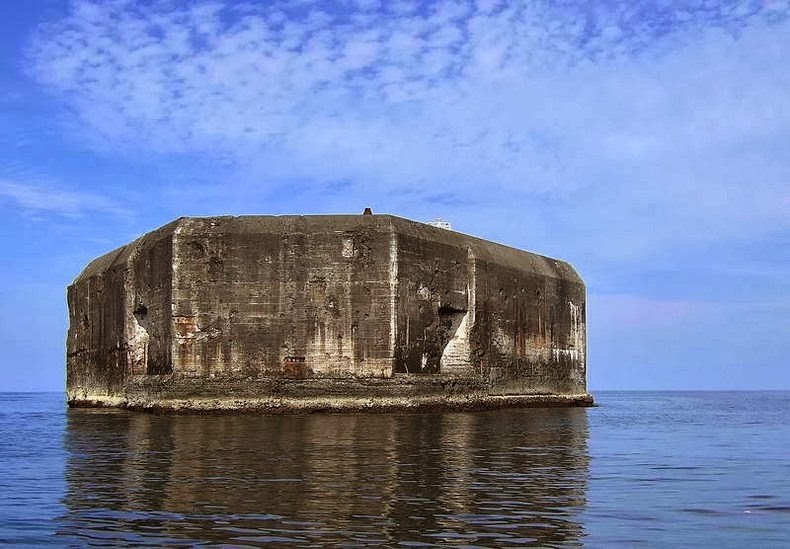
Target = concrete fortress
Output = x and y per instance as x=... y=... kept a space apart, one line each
x=324 y=313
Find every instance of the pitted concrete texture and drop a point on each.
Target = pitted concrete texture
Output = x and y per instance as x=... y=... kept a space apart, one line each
x=324 y=313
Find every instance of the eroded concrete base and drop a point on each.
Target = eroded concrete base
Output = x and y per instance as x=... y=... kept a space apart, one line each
x=467 y=403
x=283 y=395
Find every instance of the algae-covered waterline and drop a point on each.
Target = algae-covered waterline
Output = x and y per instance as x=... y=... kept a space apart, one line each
x=641 y=468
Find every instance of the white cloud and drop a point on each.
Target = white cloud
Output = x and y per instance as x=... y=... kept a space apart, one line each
x=650 y=136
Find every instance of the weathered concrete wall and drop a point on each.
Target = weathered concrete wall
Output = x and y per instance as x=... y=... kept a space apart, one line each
x=530 y=324
x=435 y=292
x=472 y=307
x=291 y=296
x=120 y=317
x=308 y=307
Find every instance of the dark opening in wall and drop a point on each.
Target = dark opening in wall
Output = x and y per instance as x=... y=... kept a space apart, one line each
x=447 y=309
x=140 y=312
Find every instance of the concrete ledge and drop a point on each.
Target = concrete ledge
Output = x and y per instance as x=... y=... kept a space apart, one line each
x=435 y=403
x=96 y=401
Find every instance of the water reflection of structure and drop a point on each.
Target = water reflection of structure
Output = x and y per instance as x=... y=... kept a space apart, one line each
x=512 y=475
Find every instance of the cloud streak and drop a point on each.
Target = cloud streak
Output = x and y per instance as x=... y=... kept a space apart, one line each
x=36 y=196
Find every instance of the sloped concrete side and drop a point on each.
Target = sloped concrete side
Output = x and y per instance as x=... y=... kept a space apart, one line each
x=469 y=307
x=120 y=319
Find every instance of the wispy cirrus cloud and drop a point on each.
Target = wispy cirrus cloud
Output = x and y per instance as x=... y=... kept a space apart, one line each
x=668 y=121
x=37 y=196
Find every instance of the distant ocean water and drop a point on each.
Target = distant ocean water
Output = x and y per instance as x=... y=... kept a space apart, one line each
x=662 y=469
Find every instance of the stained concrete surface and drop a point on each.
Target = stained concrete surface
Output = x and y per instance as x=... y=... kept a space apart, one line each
x=339 y=312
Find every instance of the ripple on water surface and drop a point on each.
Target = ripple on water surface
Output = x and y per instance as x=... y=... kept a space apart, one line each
x=649 y=468
x=471 y=479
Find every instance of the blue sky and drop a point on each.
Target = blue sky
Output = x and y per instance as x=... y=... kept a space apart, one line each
x=648 y=143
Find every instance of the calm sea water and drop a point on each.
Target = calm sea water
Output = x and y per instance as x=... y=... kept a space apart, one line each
x=650 y=469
